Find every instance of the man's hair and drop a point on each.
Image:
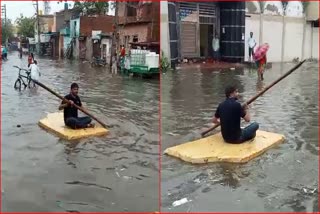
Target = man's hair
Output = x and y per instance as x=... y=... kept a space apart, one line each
x=74 y=85
x=35 y=62
x=229 y=90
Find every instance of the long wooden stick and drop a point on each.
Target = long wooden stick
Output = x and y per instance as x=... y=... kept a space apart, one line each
x=78 y=107
x=259 y=94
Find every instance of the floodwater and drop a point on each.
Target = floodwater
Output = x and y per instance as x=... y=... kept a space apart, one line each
x=285 y=178
x=118 y=172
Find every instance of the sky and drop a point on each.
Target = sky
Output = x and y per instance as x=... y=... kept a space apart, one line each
x=27 y=8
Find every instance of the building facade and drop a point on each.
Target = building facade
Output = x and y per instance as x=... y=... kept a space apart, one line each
x=139 y=22
x=188 y=29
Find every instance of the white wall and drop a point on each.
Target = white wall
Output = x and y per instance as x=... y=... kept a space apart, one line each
x=283 y=47
x=293 y=38
x=307 y=44
x=108 y=43
x=272 y=34
x=315 y=43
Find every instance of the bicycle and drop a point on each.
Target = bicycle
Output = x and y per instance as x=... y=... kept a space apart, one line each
x=20 y=81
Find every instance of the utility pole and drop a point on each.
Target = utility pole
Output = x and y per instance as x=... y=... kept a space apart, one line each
x=115 y=35
x=38 y=27
x=4 y=13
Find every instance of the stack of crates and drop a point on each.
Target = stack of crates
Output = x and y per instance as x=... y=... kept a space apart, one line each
x=138 y=60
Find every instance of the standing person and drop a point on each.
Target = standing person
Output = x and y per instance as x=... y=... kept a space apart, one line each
x=261 y=66
x=114 y=68
x=70 y=112
x=122 y=57
x=229 y=114
x=35 y=71
x=20 y=52
x=30 y=59
x=260 y=57
x=215 y=47
x=252 y=44
x=4 y=53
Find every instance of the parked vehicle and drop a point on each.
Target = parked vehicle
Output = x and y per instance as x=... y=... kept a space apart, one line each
x=97 y=61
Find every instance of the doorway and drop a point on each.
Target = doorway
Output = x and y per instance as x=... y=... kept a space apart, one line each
x=206 y=36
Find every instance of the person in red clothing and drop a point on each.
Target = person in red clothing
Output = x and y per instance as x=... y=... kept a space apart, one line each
x=30 y=59
x=122 y=56
x=261 y=66
x=123 y=51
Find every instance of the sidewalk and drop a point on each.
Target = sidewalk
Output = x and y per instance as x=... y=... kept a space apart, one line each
x=217 y=65
x=208 y=64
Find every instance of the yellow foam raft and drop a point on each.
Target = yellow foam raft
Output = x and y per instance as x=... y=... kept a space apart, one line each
x=54 y=123
x=214 y=149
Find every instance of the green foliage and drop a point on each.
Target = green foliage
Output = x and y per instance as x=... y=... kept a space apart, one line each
x=305 y=4
x=164 y=63
x=284 y=4
x=261 y=3
x=88 y=7
x=7 y=30
x=25 y=26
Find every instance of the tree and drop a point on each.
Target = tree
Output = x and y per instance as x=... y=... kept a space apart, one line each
x=88 y=7
x=7 y=30
x=262 y=4
x=284 y=4
x=305 y=4
x=25 y=26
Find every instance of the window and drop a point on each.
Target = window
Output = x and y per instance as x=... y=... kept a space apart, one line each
x=75 y=28
x=132 y=8
x=126 y=41
x=135 y=38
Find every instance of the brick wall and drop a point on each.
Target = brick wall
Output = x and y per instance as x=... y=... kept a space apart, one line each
x=130 y=30
x=146 y=31
x=88 y=24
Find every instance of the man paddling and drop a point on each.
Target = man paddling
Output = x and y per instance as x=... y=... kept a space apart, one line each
x=229 y=114
x=70 y=113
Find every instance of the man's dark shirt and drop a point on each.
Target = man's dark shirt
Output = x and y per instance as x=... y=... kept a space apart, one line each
x=230 y=113
x=71 y=111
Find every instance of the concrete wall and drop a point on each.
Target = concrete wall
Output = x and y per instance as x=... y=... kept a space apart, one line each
x=89 y=50
x=58 y=22
x=293 y=38
x=288 y=37
x=315 y=43
x=75 y=27
x=108 y=43
x=66 y=42
x=88 y=24
x=141 y=30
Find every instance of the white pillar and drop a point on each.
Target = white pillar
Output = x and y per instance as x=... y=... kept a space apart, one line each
x=283 y=38
x=164 y=29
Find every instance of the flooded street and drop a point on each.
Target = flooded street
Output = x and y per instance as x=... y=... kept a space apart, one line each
x=285 y=178
x=117 y=172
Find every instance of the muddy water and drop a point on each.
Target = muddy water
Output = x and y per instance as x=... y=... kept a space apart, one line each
x=285 y=178
x=118 y=172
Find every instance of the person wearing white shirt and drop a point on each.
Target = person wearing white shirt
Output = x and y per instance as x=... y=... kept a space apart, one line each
x=35 y=71
x=215 y=47
x=252 y=44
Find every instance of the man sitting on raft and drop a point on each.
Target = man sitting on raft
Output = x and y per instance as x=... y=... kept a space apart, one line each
x=229 y=114
x=70 y=112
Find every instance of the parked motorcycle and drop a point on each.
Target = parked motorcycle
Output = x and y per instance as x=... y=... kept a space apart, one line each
x=96 y=61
